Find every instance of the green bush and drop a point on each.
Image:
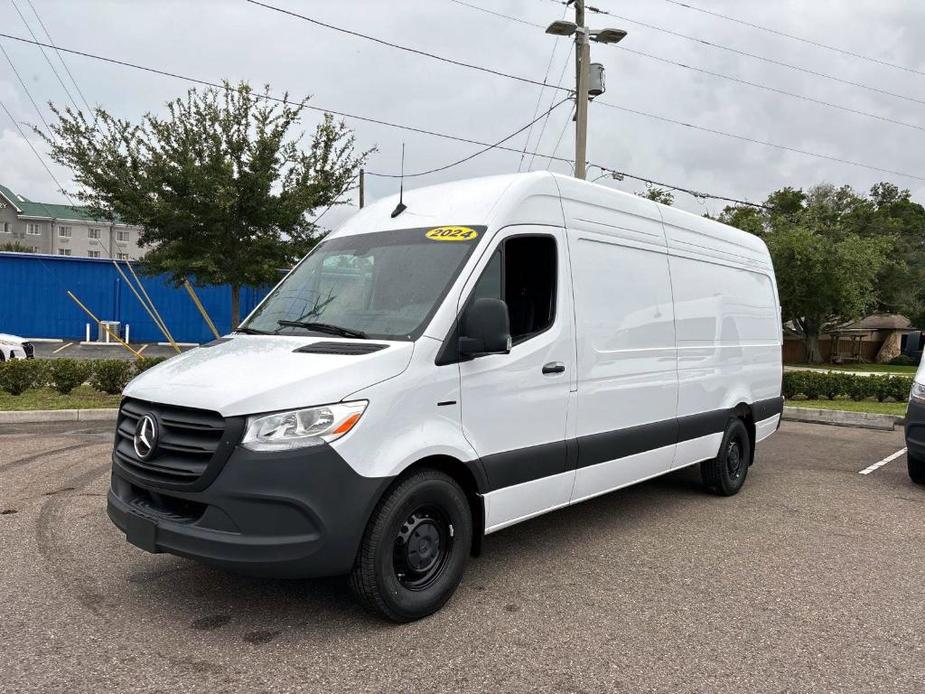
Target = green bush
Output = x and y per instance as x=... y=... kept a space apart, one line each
x=902 y=360
x=111 y=375
x=66 y=374
x=145 y=363
x=19 y=375
x=815 y=384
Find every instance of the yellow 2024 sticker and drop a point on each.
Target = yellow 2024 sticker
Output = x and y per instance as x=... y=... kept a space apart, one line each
x=452 y=234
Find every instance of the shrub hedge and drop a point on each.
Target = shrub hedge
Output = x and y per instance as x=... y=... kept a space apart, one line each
x=107 y=375
x=815 y=385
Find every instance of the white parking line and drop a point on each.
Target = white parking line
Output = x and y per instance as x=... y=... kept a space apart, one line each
x=880 y=464
x=62 y=348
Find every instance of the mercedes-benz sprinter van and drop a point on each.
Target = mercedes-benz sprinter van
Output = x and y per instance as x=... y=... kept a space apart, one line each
x=501 y=348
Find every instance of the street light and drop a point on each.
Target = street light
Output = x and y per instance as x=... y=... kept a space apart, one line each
x=608 y=35
x=585 y=73
x=561 y=28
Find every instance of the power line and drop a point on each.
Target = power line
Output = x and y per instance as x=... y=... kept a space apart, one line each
x=424 y=131
x=719 y=75
x=60 y=57
x=801 y=39
x=45 y=55
x=565 y=66
x=765 y=143
x=488 y=148
x=746 y=54
x=24 y=87
x=407 y=49
x=769 y=88
x=555 y=149
x=36 y=153
x=690 y=191
x=539 y=96
x=342 y=114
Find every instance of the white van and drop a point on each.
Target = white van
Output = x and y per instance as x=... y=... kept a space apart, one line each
x=501 y=348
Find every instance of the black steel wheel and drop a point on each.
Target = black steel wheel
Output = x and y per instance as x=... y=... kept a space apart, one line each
x=726 y=473
x=415 y=547
x=422 y=545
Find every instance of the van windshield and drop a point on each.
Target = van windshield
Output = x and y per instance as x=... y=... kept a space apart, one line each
x=384 y=285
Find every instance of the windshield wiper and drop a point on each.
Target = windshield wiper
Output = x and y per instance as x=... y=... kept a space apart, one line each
x=323 y=328
x=251 y=331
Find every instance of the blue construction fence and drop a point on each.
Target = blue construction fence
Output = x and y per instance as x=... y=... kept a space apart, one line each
x=34 y=301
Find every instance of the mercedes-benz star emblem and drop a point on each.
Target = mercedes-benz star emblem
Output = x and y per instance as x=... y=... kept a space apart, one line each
x=145 y=437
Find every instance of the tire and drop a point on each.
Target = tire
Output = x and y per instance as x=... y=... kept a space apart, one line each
x=726 y=473
x=916 y=467
x=415 y=547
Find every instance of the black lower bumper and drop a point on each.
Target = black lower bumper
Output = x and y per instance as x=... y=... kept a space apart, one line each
x=294 y=514
x=915 y=430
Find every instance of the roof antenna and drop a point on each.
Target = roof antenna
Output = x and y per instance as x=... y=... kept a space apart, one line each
x=401 y=207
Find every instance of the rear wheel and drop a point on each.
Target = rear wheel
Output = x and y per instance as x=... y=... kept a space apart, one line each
x=916 y=469
x=415 y=548
x=726 y=473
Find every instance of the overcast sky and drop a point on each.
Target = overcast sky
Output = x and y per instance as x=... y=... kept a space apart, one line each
x=238 y=41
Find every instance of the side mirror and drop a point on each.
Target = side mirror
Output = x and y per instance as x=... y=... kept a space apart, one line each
x=486 y=329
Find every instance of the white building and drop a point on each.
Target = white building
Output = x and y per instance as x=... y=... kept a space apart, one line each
x=63 y=230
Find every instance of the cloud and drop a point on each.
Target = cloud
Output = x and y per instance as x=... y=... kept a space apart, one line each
x=215 y=40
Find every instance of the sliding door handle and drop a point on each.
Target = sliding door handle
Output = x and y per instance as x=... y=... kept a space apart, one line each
x=554 y=367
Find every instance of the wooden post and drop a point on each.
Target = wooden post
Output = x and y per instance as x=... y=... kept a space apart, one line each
x=202 y=309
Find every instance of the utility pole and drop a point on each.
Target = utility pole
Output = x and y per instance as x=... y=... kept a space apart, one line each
x=362 y=188
x=582 y=60
x=584 y=87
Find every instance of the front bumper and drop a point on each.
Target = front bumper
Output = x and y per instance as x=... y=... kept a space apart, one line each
x=915 y=430
x=293 y=514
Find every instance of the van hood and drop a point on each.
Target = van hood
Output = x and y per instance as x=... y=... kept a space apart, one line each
x=250 y=374
x=11 y=339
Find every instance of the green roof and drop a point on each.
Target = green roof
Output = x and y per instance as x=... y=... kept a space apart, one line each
x=48 y=210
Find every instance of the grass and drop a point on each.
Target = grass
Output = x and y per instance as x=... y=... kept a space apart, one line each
x=877 y=368
x=893 y=408
x=81 y=398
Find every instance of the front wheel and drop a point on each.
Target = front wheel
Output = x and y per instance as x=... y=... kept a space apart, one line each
x=726 y=473
x=916 y=468
x=415 y=548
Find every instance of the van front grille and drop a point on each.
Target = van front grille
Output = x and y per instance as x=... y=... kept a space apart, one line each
x=189 y=443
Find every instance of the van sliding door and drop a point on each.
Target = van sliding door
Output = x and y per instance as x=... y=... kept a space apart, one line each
x=627 y=359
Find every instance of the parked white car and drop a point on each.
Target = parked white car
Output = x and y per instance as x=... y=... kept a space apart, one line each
x=13 y=347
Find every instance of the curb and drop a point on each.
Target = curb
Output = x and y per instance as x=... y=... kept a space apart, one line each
x=842 y=418
x=42 y=416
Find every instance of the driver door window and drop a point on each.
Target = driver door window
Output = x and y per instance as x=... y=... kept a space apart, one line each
x=522 y=272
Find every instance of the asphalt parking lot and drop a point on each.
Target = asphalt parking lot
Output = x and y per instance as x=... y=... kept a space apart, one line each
x=810 y=580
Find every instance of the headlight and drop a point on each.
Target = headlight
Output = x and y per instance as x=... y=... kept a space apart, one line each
x=918 y=392
x=312 y=426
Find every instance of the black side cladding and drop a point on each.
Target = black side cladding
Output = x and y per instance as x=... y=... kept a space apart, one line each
x=528 y=464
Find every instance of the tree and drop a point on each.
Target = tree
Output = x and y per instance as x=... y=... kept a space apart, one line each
x=662 y=195
x=15 y=247
x=822 y=280
x=827 y=266
x=220 y=187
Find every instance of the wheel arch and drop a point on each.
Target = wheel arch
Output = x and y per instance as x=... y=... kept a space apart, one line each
x=744 y=412
x=469 y=476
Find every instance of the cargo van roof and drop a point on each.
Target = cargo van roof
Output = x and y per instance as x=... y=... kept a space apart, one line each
x=543 y=198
